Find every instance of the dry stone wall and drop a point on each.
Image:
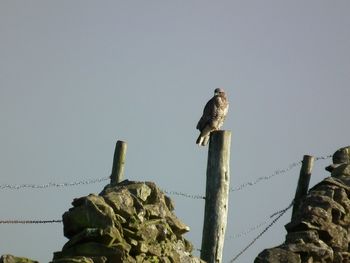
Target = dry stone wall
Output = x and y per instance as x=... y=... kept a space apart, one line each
x=320 y=231
x=131 y=222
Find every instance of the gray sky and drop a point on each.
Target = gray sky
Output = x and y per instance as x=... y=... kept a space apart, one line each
x=75 y=76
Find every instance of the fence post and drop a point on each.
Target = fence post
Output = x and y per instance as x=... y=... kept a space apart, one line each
x=216 y=200
x=303 y=182
x=118 y=163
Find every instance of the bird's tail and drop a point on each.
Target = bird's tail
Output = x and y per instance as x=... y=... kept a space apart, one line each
x=199 y=139
x=203 y=140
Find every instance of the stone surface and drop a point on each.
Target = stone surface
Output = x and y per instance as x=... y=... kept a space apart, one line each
x=132 y=222
x=13 y=259
x=276 y=255
x=320 y=232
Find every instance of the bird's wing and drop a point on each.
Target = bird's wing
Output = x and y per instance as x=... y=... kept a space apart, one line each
x=210 y=112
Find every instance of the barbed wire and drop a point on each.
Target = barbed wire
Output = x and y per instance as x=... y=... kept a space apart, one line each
x=275 y=173
x=281 y=213
x=263 y=178
x=193 y=196
x=255 y=227
x=50 y=185
x=29 y=221
x=277 y=215
x=323 y=157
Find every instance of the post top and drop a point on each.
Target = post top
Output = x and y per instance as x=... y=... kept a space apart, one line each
x=221 y=131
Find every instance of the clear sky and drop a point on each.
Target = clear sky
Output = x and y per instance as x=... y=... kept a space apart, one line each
x=76 y=76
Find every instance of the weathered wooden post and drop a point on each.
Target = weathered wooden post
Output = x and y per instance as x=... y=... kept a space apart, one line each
x=216 y=200
x=118 y=163
x=303 y=182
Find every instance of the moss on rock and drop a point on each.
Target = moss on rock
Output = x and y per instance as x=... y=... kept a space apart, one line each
x=131 y=222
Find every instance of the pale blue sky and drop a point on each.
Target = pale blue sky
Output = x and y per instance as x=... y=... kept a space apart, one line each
x=75 y=76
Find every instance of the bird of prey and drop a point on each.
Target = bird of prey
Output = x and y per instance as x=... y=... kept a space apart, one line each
x=213 y=117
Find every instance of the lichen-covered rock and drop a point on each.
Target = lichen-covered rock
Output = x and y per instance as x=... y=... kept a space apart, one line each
x=106 y=236
x=320 y=231
x=88 y=212
x=77 y=260
x=277 y=255
x=132 y=222
x=13 y=259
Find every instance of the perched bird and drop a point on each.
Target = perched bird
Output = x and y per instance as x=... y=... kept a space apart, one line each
x=213 y=117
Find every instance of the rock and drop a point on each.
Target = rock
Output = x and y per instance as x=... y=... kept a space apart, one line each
x=177 y=226
x=13 y=259
x=302 y=237
x=77 y=260
x=341 y=257
x=88 y=212
x=131 y=222
x=106 y=236
x=122 y=202
x=316 y=251
x=277 y=255
x=113 y=253
x=141 y=191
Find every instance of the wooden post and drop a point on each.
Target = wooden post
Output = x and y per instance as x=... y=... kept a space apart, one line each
x=216 y=200
x=118 y=163
x=303 y=182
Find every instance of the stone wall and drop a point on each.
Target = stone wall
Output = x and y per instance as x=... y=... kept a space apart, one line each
x=131 y=222
x=320 y=231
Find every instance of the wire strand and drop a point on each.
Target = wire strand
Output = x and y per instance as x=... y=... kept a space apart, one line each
x=278 y=172
x=255 y=227
x=51 y=185
x=29 y=221
x=262 y=233
x=192 y=196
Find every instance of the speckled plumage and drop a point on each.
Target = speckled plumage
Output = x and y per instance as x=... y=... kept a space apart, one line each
x=213 y=117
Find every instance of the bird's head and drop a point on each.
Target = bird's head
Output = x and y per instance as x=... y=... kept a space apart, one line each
x=219 y=91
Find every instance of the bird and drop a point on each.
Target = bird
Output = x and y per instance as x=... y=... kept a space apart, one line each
x=213 y=117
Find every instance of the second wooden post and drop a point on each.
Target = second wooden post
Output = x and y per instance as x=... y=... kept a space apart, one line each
x=118 y=163
x=216 y=200
x=303 y=182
